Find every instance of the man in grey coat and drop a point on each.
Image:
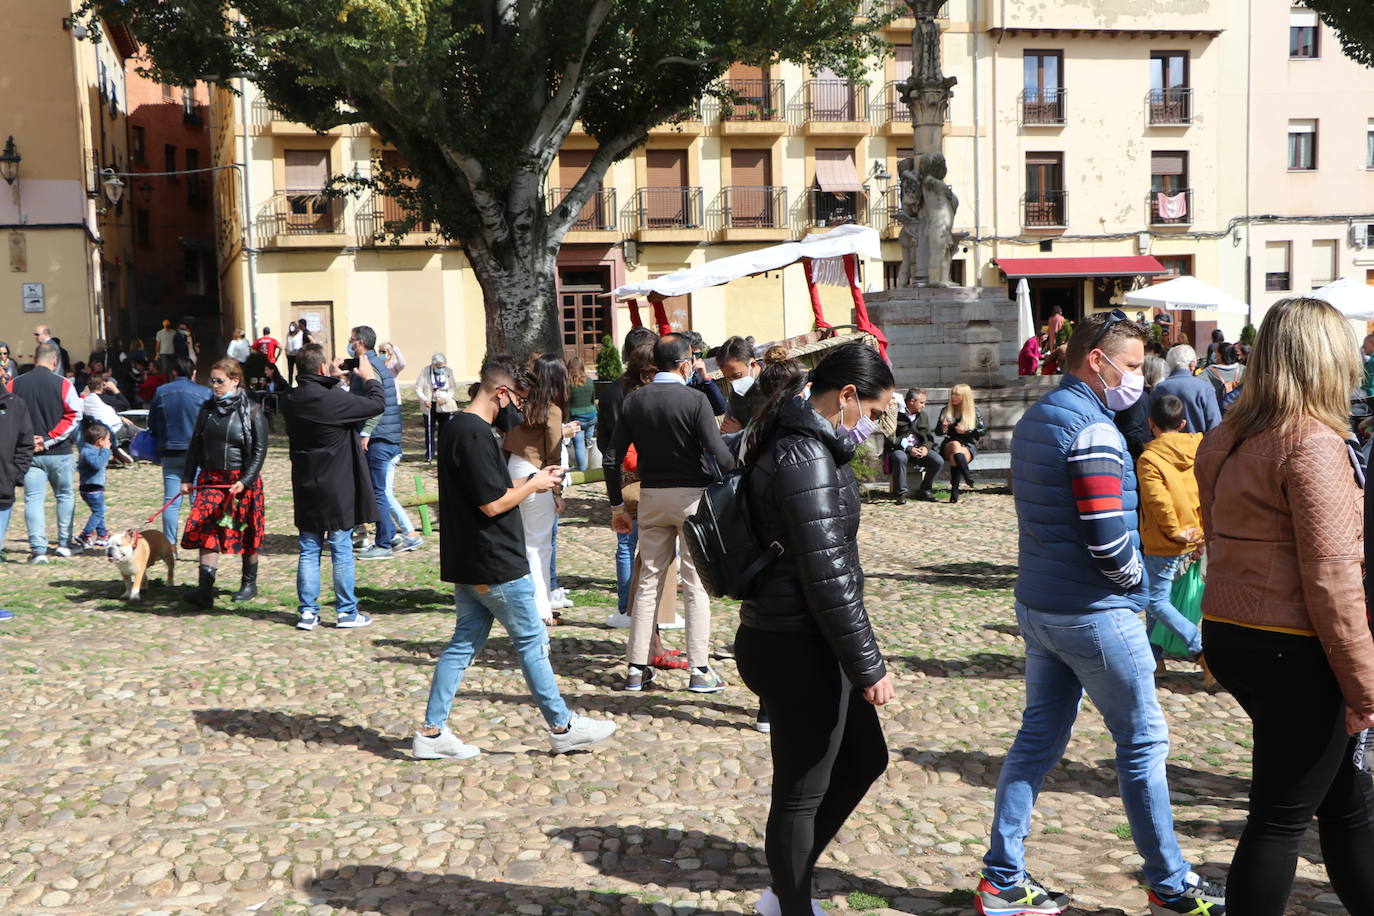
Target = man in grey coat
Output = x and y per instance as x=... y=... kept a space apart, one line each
x=1197 y=394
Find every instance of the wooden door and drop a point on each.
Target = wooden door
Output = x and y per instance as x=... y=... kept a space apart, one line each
x=319 y=321
x=584 y=304
x=751 y=175
x=666 y=203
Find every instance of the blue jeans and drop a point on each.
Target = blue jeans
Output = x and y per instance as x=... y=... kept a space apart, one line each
x=308 y=571
x=56 y=471
x=4 y=526
x=95 y=499
x=1106 y=654
x=625 y=547
x=1161 y=573
x=398 y=511
x=171 y=485
x=579 y=442
x=553 y=557
x=379 y=455
x=511 y=603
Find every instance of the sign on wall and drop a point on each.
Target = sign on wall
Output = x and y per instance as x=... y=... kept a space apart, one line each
x=19 y=252
x=32 y=294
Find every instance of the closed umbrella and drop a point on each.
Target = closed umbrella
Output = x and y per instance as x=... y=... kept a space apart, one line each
x=1352 y=298
x=1025 y=322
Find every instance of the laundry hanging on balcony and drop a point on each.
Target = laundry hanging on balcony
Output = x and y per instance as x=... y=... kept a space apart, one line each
x=1173 y=206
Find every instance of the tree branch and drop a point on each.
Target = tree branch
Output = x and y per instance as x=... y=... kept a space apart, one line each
x=571 y=89
x=565 y=214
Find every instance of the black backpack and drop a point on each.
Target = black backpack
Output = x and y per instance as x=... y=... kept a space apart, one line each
x=721 y=539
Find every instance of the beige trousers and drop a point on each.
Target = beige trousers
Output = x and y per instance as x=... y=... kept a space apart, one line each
x=661 y=513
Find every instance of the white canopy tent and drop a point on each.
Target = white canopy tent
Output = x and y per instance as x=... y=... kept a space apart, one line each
x=838 y=242
x=1187 y=294
x=1354 y=300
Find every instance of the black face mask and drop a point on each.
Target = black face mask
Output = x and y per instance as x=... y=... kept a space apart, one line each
x=508 y=417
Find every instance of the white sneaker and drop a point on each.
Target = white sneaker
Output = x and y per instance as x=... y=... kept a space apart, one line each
x=582 y=732
x=441 y=746
x=677 y=624
x=769 y=905
x=558 y=600
x=618 y=621
x=62 y=551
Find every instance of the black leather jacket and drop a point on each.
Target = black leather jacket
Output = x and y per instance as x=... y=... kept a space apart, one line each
x=971 y=437
x=803 y=495
x=230 y=435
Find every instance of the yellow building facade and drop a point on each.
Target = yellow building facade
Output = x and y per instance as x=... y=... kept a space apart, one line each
x=67 y=247
x=1106 y=129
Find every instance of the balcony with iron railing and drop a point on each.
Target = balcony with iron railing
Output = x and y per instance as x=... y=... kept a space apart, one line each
x=753 y=106
x=834 y=107
x=832 y=208
x=1044 y=107
x=886 y=212
x=1170 y=208
x=267 y=120
x=1046 y=210
x=686 y=122
x=899 y=10
x=1170 y=107
x=381 y=215
x=669 y=213
x=302 y=217
x=596 y=215
x=894 y=112
x=746 y=208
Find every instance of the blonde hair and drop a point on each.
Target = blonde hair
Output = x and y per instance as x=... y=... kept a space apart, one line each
x=968 y=417
x=1304 y=364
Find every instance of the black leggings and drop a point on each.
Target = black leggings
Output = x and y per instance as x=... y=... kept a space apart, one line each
x=828 y=748
x=1303 y=766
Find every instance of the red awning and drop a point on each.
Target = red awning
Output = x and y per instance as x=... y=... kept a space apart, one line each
x=1136 y=266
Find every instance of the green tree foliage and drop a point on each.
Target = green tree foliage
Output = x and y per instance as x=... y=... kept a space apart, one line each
x=478 y=96
x=1353 y=21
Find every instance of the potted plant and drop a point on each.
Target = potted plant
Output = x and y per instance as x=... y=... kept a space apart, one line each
x=608 y=367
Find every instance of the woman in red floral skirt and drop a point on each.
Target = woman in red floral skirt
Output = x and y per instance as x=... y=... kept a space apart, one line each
x=227 y=449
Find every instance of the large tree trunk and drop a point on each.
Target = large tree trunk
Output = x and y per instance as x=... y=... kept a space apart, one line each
x=518 y=280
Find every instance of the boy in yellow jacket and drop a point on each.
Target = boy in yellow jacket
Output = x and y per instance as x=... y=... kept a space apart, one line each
x=1170 y=513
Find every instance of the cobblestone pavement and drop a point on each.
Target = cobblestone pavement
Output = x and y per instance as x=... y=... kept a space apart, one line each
x=157 y=759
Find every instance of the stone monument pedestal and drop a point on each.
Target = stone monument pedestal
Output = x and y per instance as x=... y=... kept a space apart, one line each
x=941 y=337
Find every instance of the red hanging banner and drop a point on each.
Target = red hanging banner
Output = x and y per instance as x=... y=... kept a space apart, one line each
x=851 y=270
x=661 y=316
x=810 y=271
x=635 y=320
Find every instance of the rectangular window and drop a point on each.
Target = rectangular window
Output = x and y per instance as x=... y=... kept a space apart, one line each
x=1325 y=267
x=1369 y=145
x=1179 y=265
x=1168 y=171
x=1278 y=259
x=138 y=139
x=1042 y=96
x=143 y=228
x=1304 y=34
x=1168 y=70
x=305 y=174
x=192 y=159
x=1302 y=145
x=169 y=159
x=306 y=169
x=1045 y=196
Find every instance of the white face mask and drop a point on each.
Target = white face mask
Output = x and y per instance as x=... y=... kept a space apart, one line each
x=1123 y=395
x=741 y=386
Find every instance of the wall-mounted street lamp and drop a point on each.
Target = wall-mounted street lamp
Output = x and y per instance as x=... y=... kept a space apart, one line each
x=9 y=162
x=879 y=171
x=114 y=187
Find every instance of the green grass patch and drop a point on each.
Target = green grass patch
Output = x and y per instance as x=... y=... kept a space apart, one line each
x=1123 y=831
x=862 y=901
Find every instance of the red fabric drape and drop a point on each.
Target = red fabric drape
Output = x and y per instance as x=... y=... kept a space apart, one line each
x=635 y=320
x=851 y=270
x=821 y=323
x=661 y=316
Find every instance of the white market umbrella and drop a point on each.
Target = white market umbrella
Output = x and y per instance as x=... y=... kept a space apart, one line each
x=1187 y=294
x=1025 y=323
x=1352 y=298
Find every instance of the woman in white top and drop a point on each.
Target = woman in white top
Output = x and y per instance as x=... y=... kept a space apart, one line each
x=238 y=347
x=295 y=339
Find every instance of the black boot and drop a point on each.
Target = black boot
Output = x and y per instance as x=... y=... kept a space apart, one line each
x=961 y=467
x=954 y=485
x=248 y=588
x=203 y=595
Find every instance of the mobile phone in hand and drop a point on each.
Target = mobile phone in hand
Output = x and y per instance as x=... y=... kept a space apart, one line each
x=349 y=364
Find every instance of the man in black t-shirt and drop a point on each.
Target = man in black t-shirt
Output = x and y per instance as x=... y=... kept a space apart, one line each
x=482 y=551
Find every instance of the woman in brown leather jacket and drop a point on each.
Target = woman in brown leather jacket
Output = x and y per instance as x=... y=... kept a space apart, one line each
x=1285 y=624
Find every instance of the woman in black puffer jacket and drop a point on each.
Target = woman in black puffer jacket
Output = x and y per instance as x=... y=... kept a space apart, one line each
x=805 y=644
x=228 y=449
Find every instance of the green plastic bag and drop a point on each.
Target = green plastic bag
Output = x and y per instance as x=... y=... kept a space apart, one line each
x=1187 y=599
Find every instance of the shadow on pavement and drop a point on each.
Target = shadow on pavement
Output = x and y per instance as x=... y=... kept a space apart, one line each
x=276 y=725
x=654 y=703
x=994 y=665
x=977 y=574
x=160 y=600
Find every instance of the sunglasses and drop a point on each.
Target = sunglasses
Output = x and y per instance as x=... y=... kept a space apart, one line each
x=1115 y=316
x=217 y=382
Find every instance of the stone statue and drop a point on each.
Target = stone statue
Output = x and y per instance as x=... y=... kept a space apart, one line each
x=927 y=203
